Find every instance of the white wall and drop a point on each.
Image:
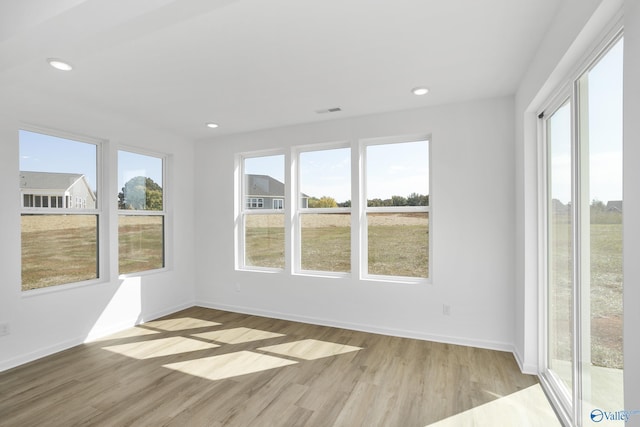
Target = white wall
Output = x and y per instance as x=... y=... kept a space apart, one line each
x=44 y=323
x=473 y=221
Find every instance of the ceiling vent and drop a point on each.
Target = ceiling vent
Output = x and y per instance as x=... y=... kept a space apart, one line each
x=329 y=110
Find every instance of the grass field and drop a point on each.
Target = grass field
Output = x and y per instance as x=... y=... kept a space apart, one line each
x=140 y=243
x=58 y=249
x=49 y=243
x=398 y=243
x=606 y=307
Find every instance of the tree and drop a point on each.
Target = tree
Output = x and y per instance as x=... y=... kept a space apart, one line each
x=416 y=199
x=141 y=193
x=597 y=206
x=322 y=202
x=398 y=201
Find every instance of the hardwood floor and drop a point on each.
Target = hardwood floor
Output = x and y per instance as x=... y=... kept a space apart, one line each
x=203 y=367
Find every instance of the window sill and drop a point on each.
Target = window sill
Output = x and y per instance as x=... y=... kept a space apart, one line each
x=60 y=288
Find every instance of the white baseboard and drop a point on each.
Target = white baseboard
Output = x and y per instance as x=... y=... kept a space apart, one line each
x=47 y=351
x=37 y=354
x=525 y=368
x=469 y=342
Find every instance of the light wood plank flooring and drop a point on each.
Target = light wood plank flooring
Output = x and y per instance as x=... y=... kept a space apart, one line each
x=203 y=367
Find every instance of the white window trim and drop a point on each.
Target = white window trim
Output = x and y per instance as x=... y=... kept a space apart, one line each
x=364 y=210
x=241 y=211
x=566 y=90
x=299 y=211
x=164 y=213
x=358 y=210
x=101 y=201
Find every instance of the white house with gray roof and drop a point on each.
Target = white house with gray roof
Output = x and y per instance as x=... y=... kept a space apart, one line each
x=266 y=192
x=55 y=190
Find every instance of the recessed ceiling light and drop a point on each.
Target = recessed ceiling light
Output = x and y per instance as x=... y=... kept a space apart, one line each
x=212 y=125
x=420 y=91
x=59 y=64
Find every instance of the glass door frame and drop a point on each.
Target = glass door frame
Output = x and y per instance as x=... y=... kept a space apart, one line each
x=563 y=399
x=568 y=405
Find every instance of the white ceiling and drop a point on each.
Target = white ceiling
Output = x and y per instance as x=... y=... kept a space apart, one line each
x=254 y=64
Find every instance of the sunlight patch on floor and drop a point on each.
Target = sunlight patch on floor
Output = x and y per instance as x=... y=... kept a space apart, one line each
x=309 y=349
x=229 y=365
x=180 y=324
x=237 y=335
x=526 y=408
x=160 y=347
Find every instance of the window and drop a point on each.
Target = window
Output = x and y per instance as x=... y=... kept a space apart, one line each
x=262 y=224
x=324 y=212
x=388 y=237
x=141 y=219
x=57 y=248
x=559 y=237
x=255 y=203
x=397 y=211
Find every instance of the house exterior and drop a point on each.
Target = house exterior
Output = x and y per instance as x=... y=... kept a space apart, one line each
x=55 y=191
x=614 y=206
x=559 y=208
x=265 y=192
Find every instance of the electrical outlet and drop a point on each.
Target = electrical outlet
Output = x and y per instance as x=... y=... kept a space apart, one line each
x=4 y=329
x=446 y=310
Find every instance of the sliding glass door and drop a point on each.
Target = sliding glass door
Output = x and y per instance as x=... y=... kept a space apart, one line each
x=583 y=243
x=560 y=294
x=599 y=92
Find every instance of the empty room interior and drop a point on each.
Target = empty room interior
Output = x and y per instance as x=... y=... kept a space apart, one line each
x=320 y=213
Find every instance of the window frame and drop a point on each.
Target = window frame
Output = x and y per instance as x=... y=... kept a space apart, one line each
x=300 y=211
x=570 y=406
x=365 y=209
x=242 y=210
x=358 y=210
x=102 y=259
x=138 y=212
